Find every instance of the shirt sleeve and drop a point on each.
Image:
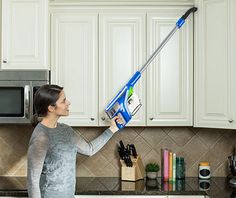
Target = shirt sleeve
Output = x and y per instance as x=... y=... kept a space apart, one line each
x=36 y=154
x=90 y=148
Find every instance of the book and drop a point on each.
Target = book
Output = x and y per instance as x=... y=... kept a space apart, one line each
x=174 y=166
x=170 y=166
x=166 y=165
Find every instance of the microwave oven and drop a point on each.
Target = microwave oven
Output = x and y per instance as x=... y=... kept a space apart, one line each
x=17 y=90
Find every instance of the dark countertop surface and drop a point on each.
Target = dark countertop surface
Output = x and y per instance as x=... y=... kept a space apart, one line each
x=216 y=187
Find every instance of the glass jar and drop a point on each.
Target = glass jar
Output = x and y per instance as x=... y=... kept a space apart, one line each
x=204 y=170
x=180 y=168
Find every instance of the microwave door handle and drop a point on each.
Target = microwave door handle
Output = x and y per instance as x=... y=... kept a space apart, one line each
x=27 y=101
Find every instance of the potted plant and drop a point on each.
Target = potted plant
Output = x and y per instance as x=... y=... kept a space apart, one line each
x=152 y=170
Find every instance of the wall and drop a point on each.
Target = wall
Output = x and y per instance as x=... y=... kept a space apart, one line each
x=194 y=144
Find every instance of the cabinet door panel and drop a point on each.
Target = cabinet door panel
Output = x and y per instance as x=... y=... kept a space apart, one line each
x=215 y=65
x=24 y=34
x=121 y=196
x=186 y=196
x=121 y=52
x=75 y=65
x=170 y=75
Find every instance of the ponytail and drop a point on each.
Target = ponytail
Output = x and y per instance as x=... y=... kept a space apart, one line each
x=35 y=120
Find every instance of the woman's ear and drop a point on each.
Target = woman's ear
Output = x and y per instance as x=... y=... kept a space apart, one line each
x=51 y=108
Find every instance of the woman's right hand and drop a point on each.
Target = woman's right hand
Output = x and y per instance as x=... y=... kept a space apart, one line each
x=113 y=126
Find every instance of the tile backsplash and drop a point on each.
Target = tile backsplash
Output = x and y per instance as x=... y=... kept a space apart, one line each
x=194 y=144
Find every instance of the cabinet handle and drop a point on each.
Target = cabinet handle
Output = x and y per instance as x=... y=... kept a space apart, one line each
x=92 y=119
x=103 y=118
x=151 y=118
x=4 y=61
x=230 y=121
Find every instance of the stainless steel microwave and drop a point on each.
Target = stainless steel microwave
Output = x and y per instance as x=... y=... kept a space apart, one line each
x=17 y=90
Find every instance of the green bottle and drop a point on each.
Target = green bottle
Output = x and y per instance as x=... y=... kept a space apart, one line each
x=180 y=168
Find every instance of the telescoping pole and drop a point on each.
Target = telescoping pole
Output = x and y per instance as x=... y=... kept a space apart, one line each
x=178 y=25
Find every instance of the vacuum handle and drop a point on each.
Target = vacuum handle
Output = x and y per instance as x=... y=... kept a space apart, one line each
x=185 y=16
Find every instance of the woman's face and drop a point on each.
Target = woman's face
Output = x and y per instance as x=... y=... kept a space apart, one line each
x=62 y=105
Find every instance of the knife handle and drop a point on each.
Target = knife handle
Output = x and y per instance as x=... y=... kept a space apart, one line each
x=134 y=152
x=122 y=145
x=120 y=153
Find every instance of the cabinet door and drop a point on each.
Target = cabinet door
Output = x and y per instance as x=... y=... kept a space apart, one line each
x=170 y=75
x=186 y=196
x=24 y=34
x=75 y=64
x=121 y=53
x=215 y=64
x=122 y=196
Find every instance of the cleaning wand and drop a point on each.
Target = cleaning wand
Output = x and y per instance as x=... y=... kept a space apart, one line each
x=126 y=103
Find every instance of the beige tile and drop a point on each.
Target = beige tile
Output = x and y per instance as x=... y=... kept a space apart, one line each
x=138 y=130
x=80 y=158
x=116 y=163
x=195 y=148
x=209 y=136
x=109 y=171
x=110 y=150
x=6 y=150
x=142 y=147
x=153 y=136
x=11 y=133
x=181 y=136
x=2 y=172
x=80 y=130
x=95 y=163
x=127 y=135
x=11 y=165
x=166 y=129
x=222 y=149
x=21 y=170
x=230 y=136
x=91 y=133
x=222 y=170
x=167 y=143
x=192 y=171
x=82 y=171
x=195 y=130
x=21 y=146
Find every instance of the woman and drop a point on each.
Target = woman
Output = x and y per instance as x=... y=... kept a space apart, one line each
x=53 y=146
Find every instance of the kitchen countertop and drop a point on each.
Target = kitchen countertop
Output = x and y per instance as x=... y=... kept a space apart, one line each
x=216 y=187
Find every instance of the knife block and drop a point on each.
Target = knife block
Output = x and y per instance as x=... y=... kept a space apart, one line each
x=133 y=173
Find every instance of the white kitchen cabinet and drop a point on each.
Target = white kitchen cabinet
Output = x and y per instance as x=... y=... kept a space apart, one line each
x=170 y=75
x=186 y=196
x=215 y=64
x=122 y=196
x=121 y=53
x=75 y=63
x=96 y=50
x=24 y=34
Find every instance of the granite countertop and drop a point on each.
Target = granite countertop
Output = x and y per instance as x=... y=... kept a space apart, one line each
x=216 y=187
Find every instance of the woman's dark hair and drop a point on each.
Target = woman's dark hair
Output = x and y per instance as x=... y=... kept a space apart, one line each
x=45 y=96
